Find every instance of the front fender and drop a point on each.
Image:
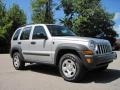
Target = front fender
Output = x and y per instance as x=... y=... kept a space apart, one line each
x=77 y=47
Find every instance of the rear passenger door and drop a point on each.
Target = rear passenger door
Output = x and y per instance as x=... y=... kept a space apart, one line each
x=24 y=41
x=40 y=46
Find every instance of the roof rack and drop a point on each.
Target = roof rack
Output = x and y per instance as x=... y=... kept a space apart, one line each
x=35 y=23
x=26 y=24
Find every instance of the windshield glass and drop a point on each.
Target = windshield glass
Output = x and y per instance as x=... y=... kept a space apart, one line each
x=57 y=30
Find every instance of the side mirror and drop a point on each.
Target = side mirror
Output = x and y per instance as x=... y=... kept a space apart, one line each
x=45 y=37
x=42 y=36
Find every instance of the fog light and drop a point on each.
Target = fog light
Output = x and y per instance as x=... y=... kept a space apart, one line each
x=89 y=60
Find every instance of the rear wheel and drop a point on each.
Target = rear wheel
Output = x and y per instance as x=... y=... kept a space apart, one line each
x=18 y=63
x=71 y=67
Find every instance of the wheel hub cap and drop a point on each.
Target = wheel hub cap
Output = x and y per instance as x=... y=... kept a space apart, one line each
x=16 y=61
x=69 y=68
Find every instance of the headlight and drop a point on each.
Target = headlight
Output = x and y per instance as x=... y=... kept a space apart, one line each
x=92 y=45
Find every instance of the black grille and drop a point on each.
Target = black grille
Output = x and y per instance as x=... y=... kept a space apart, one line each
x=103 y=48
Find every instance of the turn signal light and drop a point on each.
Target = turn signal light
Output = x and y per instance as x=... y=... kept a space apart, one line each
x=87 y=52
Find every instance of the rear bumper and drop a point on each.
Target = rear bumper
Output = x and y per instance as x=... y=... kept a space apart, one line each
x=99 y=60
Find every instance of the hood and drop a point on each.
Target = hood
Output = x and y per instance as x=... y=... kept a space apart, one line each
x=76 y=38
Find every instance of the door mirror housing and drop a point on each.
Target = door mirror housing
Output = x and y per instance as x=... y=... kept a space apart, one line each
x=42 y=36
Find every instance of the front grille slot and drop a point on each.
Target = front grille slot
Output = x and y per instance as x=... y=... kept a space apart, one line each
x=103 y=48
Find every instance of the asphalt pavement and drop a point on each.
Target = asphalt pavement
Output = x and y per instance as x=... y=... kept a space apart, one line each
x=44 y=77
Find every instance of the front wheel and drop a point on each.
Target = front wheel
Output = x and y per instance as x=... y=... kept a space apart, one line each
x=71 y=67
x=18 y=63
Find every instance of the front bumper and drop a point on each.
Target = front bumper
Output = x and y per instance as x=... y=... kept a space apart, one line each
x=99 y=60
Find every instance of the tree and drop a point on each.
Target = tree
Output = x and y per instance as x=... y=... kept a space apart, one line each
x=68 y=8
x=17 y=17
x=11 y=20
x=2 y=14
x=87 y=18
x=42 y=11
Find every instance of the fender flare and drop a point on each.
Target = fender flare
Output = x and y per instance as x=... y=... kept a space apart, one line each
x=16 y=48
x=77 y=47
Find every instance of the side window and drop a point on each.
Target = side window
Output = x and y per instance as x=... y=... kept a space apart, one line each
x=25 y=33
x=15 y=37
x=39 y=33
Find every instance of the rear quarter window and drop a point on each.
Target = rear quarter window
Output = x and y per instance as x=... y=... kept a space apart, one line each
x=25 y=33
x=15 y=37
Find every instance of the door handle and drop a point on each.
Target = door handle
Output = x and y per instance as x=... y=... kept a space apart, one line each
x=33 y=42
x=19 y=42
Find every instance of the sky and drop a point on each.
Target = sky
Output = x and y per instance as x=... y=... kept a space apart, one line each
x=112 y=6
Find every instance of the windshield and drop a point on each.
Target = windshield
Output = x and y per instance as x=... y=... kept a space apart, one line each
x=57 y=30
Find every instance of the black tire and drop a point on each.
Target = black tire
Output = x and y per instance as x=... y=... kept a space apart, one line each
x=103 y=68
x=20 y=63
x=79 y=69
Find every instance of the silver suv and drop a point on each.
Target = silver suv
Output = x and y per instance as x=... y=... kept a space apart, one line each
x=57 y=45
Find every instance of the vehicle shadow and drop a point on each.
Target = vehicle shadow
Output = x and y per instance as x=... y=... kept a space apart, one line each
x=106 y=76
x=42 y=68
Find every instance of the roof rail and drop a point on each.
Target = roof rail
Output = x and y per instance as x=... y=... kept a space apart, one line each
x=26 y=24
